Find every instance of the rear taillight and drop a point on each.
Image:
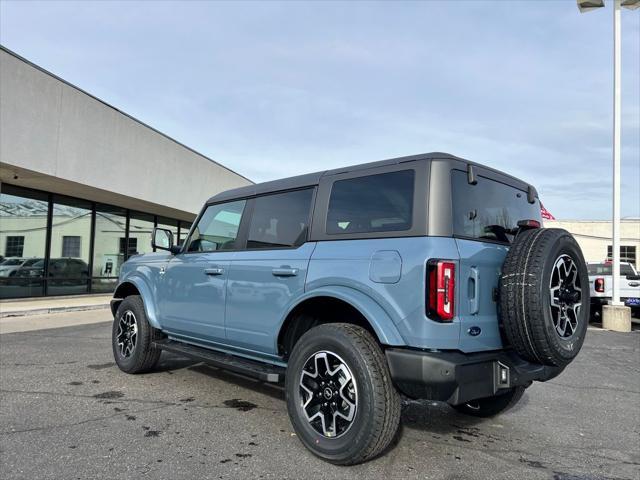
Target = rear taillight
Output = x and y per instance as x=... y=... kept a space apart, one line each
x=441 y=287
x=599 y=285
x=529 y=224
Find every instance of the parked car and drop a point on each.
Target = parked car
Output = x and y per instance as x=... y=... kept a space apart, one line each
x=427 y=276
x=601 y=286
x=64 y=274
x=11 y=266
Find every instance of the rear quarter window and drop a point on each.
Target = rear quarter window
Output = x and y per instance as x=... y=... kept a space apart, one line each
x=372 y=203
x=488 y=209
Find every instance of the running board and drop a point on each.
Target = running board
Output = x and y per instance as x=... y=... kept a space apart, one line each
x=250 y=368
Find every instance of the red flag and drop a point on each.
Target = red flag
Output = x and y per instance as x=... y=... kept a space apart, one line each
x=545 y=213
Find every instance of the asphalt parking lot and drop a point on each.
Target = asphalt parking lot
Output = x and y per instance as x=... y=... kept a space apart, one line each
x=66 y=411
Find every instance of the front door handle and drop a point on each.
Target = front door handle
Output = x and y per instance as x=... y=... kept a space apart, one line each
x=285 y=272
x=214 y=271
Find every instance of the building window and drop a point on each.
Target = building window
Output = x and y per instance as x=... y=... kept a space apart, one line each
x=68 y=270
x=71 y=246
x=184 y=232
x=627 y=253
x=79 y=234
x=23 y=234
x=140 y=229
x=109 y=247
x=133 y=246
x=14 y=246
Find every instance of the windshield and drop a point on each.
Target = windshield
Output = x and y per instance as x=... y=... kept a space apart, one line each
x=605 y=269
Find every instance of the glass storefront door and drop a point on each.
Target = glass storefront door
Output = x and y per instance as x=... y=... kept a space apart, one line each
x=23 y=237
x=68 y=270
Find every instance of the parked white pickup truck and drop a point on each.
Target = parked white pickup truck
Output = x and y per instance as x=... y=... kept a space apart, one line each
x=601 y=285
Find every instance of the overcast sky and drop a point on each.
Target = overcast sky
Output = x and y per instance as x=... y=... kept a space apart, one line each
x=279 y=89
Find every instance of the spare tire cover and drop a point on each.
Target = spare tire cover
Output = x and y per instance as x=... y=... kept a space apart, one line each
x=544 y=296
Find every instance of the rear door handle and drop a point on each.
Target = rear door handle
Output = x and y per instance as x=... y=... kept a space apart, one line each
x=214 y=271
x=474 y=291
x=284 y=272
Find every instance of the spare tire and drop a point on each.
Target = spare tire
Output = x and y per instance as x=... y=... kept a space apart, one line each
x=544 y=296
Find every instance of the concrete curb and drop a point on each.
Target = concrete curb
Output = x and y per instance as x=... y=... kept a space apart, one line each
x=48 y=310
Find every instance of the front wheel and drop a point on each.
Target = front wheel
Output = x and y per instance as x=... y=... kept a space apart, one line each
x=490 y=406
x=132 y=337
x=340 y=398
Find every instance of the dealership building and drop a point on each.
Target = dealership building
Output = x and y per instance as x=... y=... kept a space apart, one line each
x=594 y=237
x=82 y=185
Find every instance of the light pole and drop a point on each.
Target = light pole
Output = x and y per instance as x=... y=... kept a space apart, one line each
x=585 y=6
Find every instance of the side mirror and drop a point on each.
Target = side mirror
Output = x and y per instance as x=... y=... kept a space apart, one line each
x=162 y=239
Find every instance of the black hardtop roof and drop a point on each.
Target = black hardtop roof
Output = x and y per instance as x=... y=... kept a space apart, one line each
x=311 y=179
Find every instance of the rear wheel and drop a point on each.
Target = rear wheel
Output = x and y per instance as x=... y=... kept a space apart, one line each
x=341 y=401
x=132 y=337
x=490 y=406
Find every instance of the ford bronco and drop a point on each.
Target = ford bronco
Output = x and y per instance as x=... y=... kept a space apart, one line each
x=428 y=276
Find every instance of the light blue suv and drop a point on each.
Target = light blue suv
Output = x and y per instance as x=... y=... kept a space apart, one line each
x=428 y=276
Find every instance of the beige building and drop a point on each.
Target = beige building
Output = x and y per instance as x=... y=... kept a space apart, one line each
x=82 y=185
x=594 y=237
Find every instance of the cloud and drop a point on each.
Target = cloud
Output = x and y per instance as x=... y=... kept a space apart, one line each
x=276 y=89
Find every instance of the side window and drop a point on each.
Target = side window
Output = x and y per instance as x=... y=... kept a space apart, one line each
x=375 y=203
x=217 y=228
x=280 y=220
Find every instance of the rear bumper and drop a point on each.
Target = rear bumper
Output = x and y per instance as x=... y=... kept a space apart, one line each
x=456 y=378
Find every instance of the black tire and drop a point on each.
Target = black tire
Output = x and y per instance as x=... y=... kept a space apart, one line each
x=531 y=324
x=143 y=356
x=490 y=406
x=377 y=403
